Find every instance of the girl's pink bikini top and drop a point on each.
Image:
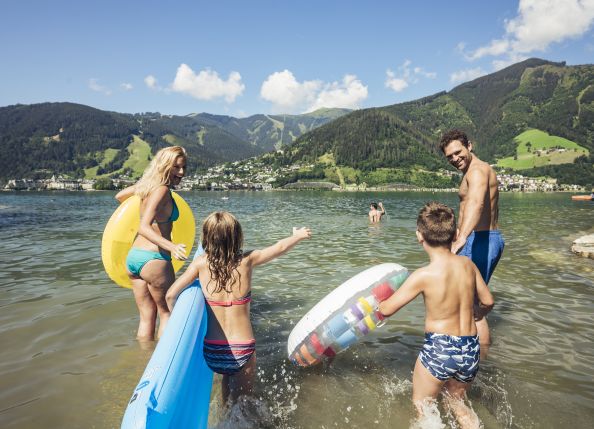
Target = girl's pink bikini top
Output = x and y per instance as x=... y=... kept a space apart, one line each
x=240 y=301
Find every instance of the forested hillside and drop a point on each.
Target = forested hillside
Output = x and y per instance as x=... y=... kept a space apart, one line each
x=493 y=110
x=66 y=138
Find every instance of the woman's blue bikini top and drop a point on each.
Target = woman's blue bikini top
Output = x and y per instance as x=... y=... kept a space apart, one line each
x=174 y=213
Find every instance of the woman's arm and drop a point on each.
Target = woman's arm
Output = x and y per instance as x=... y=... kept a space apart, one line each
x=125 y=193
x=154 y=202
x=185 y=280
x=259 y=257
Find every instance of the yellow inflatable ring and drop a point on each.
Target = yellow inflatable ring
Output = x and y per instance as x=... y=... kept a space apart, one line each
x=121 y=230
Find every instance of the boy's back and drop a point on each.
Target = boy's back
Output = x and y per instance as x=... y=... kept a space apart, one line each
x=449 y=290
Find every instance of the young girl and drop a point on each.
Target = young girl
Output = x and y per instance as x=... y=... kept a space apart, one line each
x=225 y=273
x=149 y=260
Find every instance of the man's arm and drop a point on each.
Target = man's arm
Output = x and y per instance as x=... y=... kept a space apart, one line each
x=478 y=186
x=485 y=298
x=382 y=209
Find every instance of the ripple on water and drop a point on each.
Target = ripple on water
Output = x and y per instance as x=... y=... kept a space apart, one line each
x=67 y=332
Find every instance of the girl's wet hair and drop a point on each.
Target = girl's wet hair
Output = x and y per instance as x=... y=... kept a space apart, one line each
x=437 y=223
x=222 y=241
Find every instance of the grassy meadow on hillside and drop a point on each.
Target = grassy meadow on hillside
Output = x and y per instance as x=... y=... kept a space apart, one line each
x=537 y=148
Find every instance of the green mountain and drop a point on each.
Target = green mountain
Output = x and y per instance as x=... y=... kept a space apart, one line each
x=270 y=132
x=42 y=139
x=494 y=110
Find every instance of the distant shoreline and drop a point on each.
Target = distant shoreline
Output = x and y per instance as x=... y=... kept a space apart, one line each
x=369 y=189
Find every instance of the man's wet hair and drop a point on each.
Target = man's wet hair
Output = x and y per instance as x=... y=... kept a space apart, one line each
x=452 y=135
x=437 y=223
x=374 y=205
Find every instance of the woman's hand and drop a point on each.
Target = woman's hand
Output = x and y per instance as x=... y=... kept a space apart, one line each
x=179 y=252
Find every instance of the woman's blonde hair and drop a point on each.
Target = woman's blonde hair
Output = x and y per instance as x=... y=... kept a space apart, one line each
x=158 y=171
x=222 y=241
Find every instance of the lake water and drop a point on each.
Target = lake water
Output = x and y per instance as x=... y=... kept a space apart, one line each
x=69 y=358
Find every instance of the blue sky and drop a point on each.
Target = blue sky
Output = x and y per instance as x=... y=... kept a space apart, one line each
x=240 y=58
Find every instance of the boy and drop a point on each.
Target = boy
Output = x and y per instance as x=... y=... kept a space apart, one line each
x=455 y=296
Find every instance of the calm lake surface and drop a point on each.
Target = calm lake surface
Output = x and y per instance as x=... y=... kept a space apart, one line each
x=69 y=358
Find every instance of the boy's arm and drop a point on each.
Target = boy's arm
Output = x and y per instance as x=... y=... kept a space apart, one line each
x=186 y=279
x=125 y=193
x=382 y=208
x=409 y=290
x=484 y=296
x=259 y=257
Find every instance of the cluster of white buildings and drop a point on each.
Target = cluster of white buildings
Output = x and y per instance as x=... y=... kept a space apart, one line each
x=250 y=175
x=238 y=175
x=519 y=183
x=55 y=183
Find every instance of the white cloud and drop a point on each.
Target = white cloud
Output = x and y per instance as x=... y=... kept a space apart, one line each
x=207 y=85
x=466 y=75
x=394 y=83
x=406 y=76
x=421 y=72
x=288 y=95
x=126 y=86
x=95 y=86
x=346 y=94
x=539 y=24
x=151 y=82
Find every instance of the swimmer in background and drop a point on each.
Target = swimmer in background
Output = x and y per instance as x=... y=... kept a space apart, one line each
x=149 y=260
x=449 y=360
x=225 y=273
x=376 y=211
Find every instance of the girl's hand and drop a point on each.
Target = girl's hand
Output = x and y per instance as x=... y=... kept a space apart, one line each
x=179 y=252
x=301 y=233
x=171 y=300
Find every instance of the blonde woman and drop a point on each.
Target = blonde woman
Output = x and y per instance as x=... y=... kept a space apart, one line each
x=149 y=261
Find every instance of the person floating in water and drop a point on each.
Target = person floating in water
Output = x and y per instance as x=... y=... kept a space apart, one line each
x=449 y=360
x=149 y=260
x=479 y=237
x=376 y=211
x=225 y=273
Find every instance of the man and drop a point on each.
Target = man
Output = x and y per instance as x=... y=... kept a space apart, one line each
x=375 y=213
x=478 y=235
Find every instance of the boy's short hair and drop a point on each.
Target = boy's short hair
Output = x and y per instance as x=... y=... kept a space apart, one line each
x=374 y=205
x=452 y=135
x=437 y=223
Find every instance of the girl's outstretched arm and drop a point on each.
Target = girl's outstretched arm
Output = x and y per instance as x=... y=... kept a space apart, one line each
x=185 y=280
x=259 y=257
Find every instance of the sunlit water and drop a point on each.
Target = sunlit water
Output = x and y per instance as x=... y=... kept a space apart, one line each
x=68 y=356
